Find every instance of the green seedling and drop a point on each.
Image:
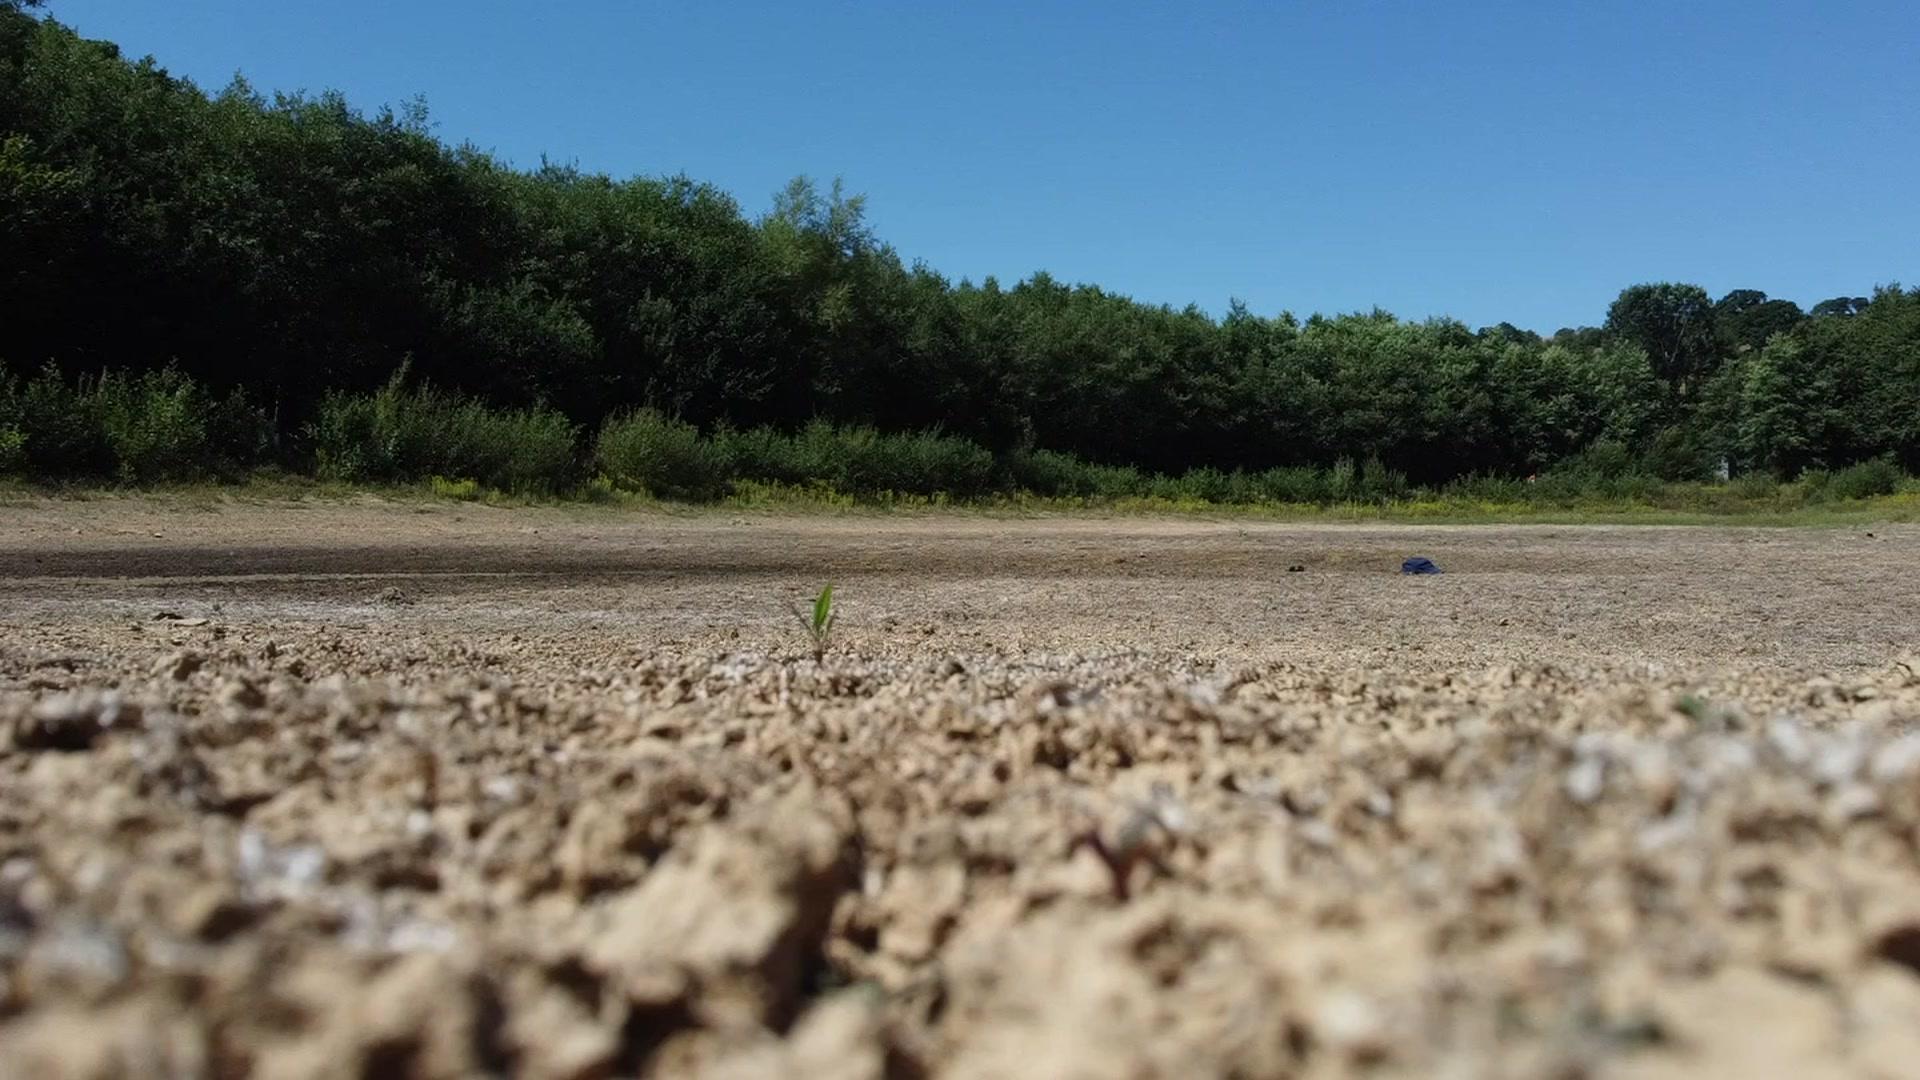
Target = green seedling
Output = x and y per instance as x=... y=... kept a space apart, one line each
x=819 y=625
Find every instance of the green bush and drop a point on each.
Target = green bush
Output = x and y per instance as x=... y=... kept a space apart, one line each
x=1241 y=489
x=520 y=450
x=1204 y=483
x=1489 y=489
x=923 y=463
x=240 y=434
x=13 y=441
x=1865 y=480
x=352 y=440
x=860 y=460
x=13 y=451
x=1051 y=474
x=1755 y=487
x=646 y=451
x=64 y=433
x=1342 y=481
x=1379 y=483
x=462 y=490
x=163 y=427
x=158 y=427
x=1296 y=484
x=761 y=454
x=1677 y=454
x=1605 y=459
x=399 y=435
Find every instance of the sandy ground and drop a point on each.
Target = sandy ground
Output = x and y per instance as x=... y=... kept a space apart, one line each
x=368 y=789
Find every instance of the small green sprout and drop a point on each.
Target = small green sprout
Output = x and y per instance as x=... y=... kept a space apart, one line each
x=819 y=625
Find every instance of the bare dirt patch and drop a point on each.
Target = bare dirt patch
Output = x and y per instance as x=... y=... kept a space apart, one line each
x=386 y=790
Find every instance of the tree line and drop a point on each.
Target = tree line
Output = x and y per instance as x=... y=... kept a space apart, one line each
x=280 y=251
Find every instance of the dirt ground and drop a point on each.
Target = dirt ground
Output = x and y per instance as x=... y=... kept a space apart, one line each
x=372 y=789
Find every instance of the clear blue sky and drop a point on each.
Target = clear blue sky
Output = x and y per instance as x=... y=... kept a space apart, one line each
x=1514 y=160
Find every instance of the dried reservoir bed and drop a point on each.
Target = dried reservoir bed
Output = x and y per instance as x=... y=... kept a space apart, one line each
x=374 y=789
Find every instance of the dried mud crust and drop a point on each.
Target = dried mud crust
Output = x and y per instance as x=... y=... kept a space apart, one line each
x=1610 y=803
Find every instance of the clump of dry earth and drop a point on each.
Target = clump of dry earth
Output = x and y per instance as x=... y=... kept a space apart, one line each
x=760 y=866
x=254 y=846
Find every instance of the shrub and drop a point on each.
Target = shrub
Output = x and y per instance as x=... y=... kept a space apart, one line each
x=461 y=490
x=865 y=462
x=240 y=434
x=64 y=434
x=1296 y=484
x=1342 y=481
x=1051 y=474
x=13 y=451
x=1678 y=454
x=930 y=463
x=761 y=454
x=397 y=435
x=13 y=441
x=1205 y=483
x=1489 y=489
x=520 y=450
x=646 y=451
x=1241 y=489
x=1380 y=484
x=859 y=460
x=1601 y=460
x=1755 y=486
x=157 y=427
x=1865 y=480
x=164 y=427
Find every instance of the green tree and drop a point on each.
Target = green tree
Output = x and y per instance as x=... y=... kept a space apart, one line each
x=1788 y=418
x=1745 y=319
x=1674 y=325
x=1840 y=305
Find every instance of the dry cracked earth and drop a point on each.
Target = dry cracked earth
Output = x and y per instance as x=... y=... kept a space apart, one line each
x=363 y=789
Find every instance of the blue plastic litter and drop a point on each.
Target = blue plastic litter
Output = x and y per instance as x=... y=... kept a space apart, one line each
x=1417 y=565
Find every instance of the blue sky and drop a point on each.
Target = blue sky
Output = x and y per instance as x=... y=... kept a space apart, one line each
x=1489 y=161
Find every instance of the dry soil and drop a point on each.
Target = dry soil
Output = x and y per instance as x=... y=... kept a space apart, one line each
x=370 y=789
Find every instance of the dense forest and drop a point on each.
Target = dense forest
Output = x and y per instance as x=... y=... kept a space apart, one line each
x=288 y=275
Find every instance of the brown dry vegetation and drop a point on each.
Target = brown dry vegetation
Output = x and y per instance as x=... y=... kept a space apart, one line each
x=376 y=790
